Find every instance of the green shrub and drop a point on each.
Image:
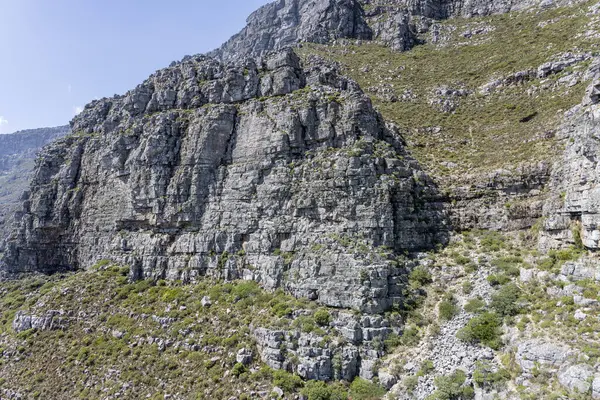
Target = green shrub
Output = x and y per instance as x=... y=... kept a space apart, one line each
x=322 y=317
x=419 y=277
x=510 y=265
x=467 y=287
x=496 y=280
x=410 y=383
x=410 y=336
x=471 y=267
x=485 y=375
x=392 y=341
x=447 y=309
x=460 y=259
x=318 y=390
x=452 y=387
x=286 y=381
x=484 y=328
x=245 y=289
x=506 y=300
x=361 y=389
x=475 y=305
x=425 y=368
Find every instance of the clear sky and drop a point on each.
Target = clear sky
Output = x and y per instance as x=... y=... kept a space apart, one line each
x=57 y=55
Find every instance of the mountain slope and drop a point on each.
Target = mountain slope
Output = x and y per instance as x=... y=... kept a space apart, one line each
x=430 y=237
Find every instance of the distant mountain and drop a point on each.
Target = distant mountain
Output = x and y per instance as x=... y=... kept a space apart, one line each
x=17 y=159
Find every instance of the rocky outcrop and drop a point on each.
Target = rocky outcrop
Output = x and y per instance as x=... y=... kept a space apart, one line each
x=312 y=357
x=535 y=353
x=572 y=215
x=271 y=171
x=49 y=321
x=288 y=22
x=577 y=378
x=395 y=23
x=507 y=200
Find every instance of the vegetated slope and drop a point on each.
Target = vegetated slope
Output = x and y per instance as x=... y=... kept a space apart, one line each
x=479 y=94
x=482 y=103
x=17 y=157
x=280 y=171
x=114 y=339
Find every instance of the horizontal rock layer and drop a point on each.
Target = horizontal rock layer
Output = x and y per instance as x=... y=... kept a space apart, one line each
x=269 y=171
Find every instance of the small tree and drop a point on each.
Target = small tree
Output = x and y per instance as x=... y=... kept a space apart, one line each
x=506 y=300
x=322 y=317
x=484 y=328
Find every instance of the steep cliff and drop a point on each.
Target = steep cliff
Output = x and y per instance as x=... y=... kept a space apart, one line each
x=277 y=172
x=401 y=194
x=289 y=22
x=572 y=214
x=17 y=155
x=396 y=23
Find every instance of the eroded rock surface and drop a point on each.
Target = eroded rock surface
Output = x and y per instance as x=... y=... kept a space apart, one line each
x=271 y=171
x=573 y=213
x=287 y=22
x=51 y=320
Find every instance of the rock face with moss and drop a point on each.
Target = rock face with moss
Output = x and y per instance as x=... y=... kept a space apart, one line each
x=395 y=23
x=278 y=172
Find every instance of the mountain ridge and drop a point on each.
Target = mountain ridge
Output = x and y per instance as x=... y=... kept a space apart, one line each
x=368 y=192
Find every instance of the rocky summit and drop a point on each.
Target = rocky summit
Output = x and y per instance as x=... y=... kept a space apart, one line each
x=347 y=199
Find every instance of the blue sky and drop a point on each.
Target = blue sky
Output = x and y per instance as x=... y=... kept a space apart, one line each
x=57 y=55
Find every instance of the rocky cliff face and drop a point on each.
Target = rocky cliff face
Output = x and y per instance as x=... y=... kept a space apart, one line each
x=394 y=23
x=276 y=167
x=278 y=172
x=17 y=155
x=572 y=215
x=17 y=147
x=288 y=22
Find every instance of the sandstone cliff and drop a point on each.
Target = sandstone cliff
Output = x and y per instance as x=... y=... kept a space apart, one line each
x=278 y=172
x=419 y=178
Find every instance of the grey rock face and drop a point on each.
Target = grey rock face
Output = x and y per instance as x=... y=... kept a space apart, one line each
x=596 y=387
x=483 y=204
x=19 y=145
x=573 y=214
x=17 y=156
x=538 y=351
x=577 y=377
x=50 y=320
x=393 y=26
x=438 y=9
x=244 y=356
x=288 y=22
x=593 y=93
x=311 y=358
x=270 y=171
x=584 y=268
x=395 y=23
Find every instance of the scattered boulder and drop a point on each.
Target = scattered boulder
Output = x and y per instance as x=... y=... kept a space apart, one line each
x=49 y=321
x=244 y=356
x=576 y=377
x=206 y=301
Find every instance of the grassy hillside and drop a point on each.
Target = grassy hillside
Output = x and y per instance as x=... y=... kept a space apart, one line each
x=483 y=131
